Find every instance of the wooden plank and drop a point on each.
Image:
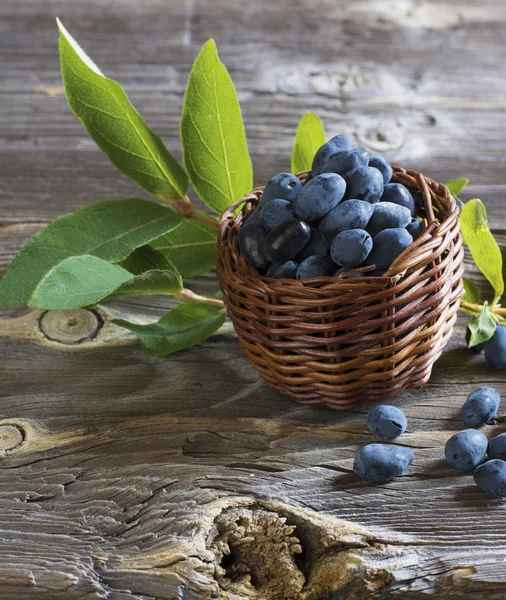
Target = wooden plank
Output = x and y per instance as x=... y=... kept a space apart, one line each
x=126 y=476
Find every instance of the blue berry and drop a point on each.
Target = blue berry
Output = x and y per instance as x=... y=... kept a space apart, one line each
x=478 y=349
x=417 y=199
x=414 y=228
x=491 y=478
x=480 y=407
x=319 y=265
x=345 y=161
x=495 y=348
x=334 y=145
x=364 y=183
x=317 y=245
x=251 y=240
x=352 y=214
x=276 y=212
x=388 y=216
x=466 y=449
x=253 y=218
x=319 y=197
x=386 y=421
x=287 y=240
x=284 y=186
x=399 y=194
x=497 y=447
x=380 y=463
x=351 y=247
x=383 y=167
x=284 y=270
x=387 y=246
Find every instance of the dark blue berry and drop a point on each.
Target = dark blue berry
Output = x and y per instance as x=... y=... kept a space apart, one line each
x=386 y=421
x=286 y=270
x=497 y=447
x=287 y=240
x=388 y=216
x=387 y=246
x=491 y=478
x=480 y=407
x=284 y=186
x=466 y=449
x=350 y=248
x=251 y=240
x=383 y=167
x=276 y=212
x=380 y=463
x=253 y=218
x=320 y=265
x=317 y=245
x=319 y=197
x=364 y=183
x=352 y=214
x=399 y=194
x=417 y=199
x=414 y=228
x=345 y=161
x=495 y=348
x=334 y=145
x=478 y=349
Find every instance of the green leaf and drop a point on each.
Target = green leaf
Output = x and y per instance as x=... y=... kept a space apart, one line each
x=484 y=249
x=184 y=326
x=191 y=247
x=309 y=137
x=215 y=151
x=456 y=186
x=482 y=327
x=77 y=281
x=471 y=292
x=110 y=229
x=117 y=128
x=155 y=275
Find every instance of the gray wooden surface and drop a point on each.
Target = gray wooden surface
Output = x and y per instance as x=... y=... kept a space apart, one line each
x=125 y=476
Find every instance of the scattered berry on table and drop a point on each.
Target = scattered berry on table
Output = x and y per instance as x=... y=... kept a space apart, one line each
x=466 y=449
x=480 y=407
x=386 y=421
x=380 y=463
x=495 y=348
x=497 y=447
x=490 y=477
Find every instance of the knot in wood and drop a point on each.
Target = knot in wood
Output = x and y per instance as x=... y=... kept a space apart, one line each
x=11 y=436
x=70 y=327
x=256 y=552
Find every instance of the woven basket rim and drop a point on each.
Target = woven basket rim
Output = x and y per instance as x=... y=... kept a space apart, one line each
x=414 y=255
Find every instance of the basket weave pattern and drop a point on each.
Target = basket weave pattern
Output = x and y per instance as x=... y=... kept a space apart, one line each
x=338 y=341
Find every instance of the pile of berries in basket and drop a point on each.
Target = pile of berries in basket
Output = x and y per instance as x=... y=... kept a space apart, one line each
x=347 y=215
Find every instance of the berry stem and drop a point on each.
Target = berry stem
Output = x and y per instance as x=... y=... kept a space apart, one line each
x=498 y=313
x=186 y=295
x=185 y=207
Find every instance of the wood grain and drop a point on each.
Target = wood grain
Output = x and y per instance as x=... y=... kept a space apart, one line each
x=124 y=476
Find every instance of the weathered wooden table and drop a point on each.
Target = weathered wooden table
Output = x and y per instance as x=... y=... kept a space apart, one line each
x=126 y=476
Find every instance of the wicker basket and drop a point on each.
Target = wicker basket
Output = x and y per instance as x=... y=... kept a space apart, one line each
x=339 y=341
